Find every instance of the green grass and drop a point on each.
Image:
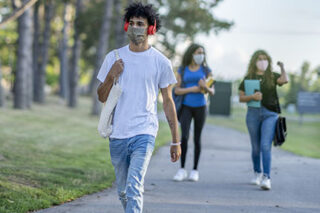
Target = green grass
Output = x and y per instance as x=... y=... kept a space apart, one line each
x=303 y=139
x=52 y=154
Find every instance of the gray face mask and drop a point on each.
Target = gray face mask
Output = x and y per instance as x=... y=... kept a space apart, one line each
x=137 y=34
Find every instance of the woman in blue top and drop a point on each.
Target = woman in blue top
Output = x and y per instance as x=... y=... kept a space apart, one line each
x=193 y=73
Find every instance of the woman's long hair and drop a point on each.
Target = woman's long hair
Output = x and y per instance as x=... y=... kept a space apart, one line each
x=187 y=57
x=252 y=68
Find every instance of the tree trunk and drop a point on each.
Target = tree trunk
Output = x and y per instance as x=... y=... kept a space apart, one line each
x=40 y=77
x=36 y=36
x=2 y=99
x=101 y=51
x=103 y=44
x=22 y=88
x=121 y=36
x=63 y=79
x=76 y=51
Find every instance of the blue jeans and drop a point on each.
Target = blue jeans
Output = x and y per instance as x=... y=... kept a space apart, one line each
x=261 y=124
x=130 y=158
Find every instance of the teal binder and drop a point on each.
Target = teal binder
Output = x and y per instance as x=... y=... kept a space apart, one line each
x=249 y=88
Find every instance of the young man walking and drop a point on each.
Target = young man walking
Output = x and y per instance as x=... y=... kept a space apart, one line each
x=142 y=71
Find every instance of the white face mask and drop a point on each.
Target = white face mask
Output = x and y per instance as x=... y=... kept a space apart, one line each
x=262 y=65
x=198 y=58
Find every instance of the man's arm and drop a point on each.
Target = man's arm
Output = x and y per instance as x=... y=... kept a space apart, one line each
x=170 y=111
x=105 y=87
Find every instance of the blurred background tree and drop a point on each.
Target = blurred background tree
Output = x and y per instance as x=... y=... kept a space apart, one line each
x=184 y=19
x=1 y=90
x=306 y=79
x=60 y=45
x=23 y=74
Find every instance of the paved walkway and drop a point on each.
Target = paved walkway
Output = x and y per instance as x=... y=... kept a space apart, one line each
x=225 y=170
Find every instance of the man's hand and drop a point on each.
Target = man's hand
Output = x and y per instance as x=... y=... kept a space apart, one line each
x=105 y=87
x=116 y=69
x=175 y=152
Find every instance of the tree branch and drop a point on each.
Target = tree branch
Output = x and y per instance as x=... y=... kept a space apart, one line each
x=18 y=12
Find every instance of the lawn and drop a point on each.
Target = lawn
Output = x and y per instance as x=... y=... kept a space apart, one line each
x=303 y=139
x=52 y=154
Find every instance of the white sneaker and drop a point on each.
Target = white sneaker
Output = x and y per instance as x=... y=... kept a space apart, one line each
x=256 y=180
x=194 y=175
x=181 y=175
x=265 y=183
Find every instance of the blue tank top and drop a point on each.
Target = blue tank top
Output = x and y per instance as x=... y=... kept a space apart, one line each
x=190 y=79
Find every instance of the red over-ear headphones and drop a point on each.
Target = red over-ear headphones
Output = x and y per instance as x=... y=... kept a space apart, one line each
x=126 y=25
x=152 y=29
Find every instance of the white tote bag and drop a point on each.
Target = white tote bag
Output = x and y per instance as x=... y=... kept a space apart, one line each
x=106 y=116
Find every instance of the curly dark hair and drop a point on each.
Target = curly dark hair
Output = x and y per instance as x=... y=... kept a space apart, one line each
x=252 y=68
x=147 y=11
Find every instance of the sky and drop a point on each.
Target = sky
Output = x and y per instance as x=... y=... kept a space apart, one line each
x=289 y=30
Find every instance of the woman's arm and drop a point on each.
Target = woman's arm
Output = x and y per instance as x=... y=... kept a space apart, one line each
x=283 y=79
x=181 y=91
x=203 y=85
x=204 y=88
x=257 y=96
x=210 y=90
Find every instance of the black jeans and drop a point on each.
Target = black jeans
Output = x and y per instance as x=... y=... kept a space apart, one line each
x=198 y=114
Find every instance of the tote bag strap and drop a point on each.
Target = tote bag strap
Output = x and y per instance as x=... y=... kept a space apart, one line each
x=116 y=53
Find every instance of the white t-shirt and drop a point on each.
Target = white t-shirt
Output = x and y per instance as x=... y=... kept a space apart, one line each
x=143 y=75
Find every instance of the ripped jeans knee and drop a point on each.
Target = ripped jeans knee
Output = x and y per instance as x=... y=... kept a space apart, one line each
x=123 y=198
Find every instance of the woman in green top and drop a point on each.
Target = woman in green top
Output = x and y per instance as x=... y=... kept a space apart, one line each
x=261 y=121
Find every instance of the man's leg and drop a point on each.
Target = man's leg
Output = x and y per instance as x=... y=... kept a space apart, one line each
x=140 y=151
x=120 y=162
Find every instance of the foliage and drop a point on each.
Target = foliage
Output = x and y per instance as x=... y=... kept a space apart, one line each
x=303 y=139
x=8 y=48
x=306 y=80
x=184 y=19
x=52 y=154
